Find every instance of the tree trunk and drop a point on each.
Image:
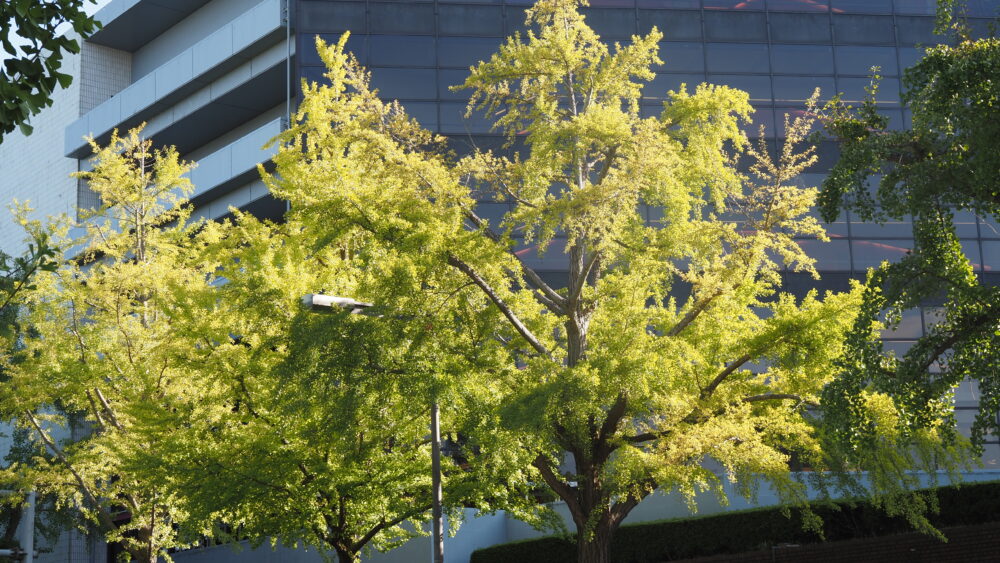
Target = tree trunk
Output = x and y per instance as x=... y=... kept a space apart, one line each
x=596 y=547
x=346 y=555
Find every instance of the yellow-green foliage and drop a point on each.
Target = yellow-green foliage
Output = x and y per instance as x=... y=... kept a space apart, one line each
x=104 y=355
x=638 y=380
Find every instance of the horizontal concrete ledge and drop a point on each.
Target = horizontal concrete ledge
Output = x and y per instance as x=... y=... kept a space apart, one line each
x=214 y=58
x=130 y=24
x=233 y=165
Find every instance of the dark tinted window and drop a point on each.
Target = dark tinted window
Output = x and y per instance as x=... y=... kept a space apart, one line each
x=332 y=16
x=470 y=20
x=816 y=6
x=863 y=29
x=862 y=6
x=859 y=60
x=733 y=57
x=802 y=59
x=674 y=25
x=800 y=28
x=466 y=51
x=402 y=18
x=656 y=90
x=795 y=90
x=758 y=86
x=682 y=57
x=611 y=24
x=854 y=89
x=912 y=30
x=734 y=26
x=392 y=50
x=405 y=83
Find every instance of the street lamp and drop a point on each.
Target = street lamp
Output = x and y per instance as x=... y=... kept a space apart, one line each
x=319 y=301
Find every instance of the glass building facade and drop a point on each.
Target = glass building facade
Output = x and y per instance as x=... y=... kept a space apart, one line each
x=777 y=50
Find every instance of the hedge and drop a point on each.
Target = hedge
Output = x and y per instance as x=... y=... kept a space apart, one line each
x=748 y=530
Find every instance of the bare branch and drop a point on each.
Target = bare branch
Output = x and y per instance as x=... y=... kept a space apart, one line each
x=691 y=315
x=543 y=292
x=732 y=367
x=499 y=302
x=102 y=514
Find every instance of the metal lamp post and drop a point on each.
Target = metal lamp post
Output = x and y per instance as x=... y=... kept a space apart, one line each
x=320 y=301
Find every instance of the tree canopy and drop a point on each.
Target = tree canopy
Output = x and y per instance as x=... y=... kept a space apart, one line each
x=946 y=162
x=34 y=47
x=668 y=347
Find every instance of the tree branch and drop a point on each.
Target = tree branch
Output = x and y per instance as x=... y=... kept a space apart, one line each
x=499 y=302
x=102 y=514
x=543 y=292
x=778 y=397
x=691 y=315
x=733 y=366
x=560 y=487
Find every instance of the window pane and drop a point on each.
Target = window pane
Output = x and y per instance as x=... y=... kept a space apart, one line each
x=891 y=228
x=405 y=83
x=448 y=77
x=991 y=255
x=853 y=90
x=734 y=26
x=817 y=6
x=911 y=30
x=611 y=24
x=470 y=20
x=465 y=51
x=862 y=6
x=327 y=16
x=863 y=29
x=795 y=90
x=670 y=4
x=401 y=18
x=971 y=250
x=734 y=4
x=424 y=112
x=759 y=86
x=729 y=57
x=800 y=28
x=830 y=256
x=859 y=60
x=910 y=325
x=802 y=59
x=909 y=56
x=682 y=57
x=965 y=224
x=871 y=253
x=676 y=26
x=928 y=7
x=453 y=120
x=656 y=90
x=390 y=50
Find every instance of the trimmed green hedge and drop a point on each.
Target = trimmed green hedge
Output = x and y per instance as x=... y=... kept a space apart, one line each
x=748 y=530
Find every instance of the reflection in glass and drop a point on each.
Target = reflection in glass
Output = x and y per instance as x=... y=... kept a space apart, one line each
x=799 y=5
x=871 y=253
x=861 y=6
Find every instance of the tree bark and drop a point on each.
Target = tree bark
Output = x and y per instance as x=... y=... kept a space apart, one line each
x=346 y=555
x=595 y=547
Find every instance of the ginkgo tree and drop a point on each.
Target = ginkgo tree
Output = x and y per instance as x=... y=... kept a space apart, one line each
x=99 y=356
x=666 y=346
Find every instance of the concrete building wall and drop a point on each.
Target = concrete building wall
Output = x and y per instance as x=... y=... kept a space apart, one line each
x=33 y=168
x=182 y=36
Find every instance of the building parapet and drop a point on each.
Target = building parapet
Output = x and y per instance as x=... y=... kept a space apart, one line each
x=232 y=48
